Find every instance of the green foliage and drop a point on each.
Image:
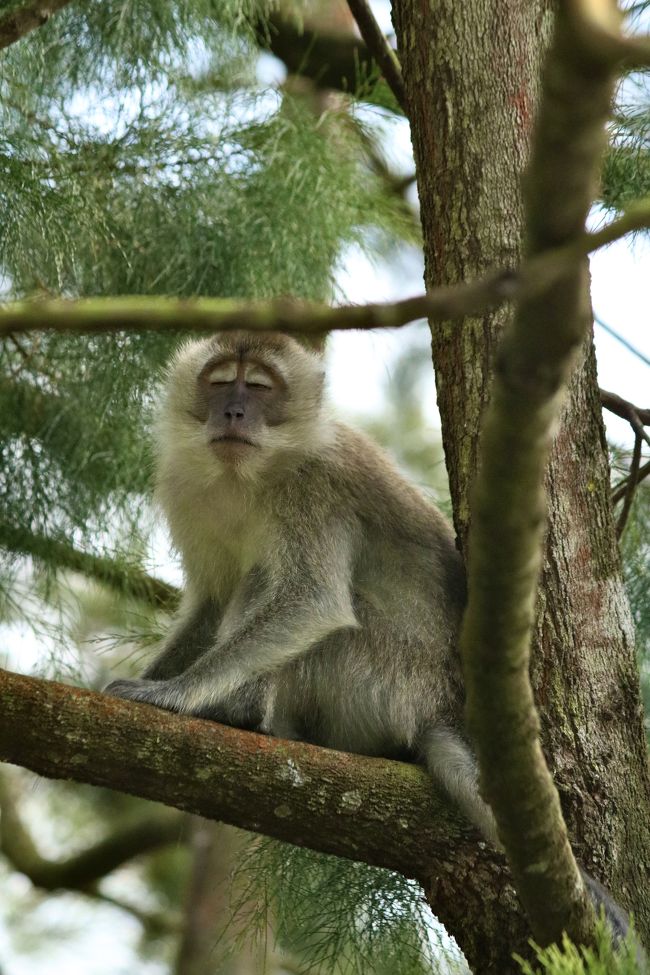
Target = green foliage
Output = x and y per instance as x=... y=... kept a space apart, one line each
x=338 y=916
x=626 y=168
x=604 y=958
x=123 y=40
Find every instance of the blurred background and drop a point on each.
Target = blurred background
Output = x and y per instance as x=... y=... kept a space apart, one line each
x=197 y=147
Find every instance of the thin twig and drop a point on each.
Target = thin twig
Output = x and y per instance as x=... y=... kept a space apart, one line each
x=631 y=486
x=621 y=487
x=380 y=49
x=620 y=338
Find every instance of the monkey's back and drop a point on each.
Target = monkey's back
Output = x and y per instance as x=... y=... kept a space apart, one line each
x=377 y=688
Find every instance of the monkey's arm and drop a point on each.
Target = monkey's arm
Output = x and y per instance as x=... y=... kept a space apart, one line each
x=273 y=618
x=192 y=634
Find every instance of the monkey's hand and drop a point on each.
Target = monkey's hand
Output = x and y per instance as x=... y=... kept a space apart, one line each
x=160 y=693
x=241 y=709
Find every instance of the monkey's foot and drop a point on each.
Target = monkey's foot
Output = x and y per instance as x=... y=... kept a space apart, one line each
x=156 y=692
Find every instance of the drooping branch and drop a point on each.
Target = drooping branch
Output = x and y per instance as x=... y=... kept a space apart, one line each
x=22 y=18
x=126 y=579
x=156 y=828
x=533 y=278
x=379 y=47
x=531 y=373
x=637 y=417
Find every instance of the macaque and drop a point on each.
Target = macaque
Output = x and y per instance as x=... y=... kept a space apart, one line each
x=324 y=592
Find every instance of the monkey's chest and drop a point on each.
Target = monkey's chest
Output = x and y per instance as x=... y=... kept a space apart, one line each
x=222 y=556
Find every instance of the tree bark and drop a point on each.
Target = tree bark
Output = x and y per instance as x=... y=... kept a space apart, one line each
x=471 y=73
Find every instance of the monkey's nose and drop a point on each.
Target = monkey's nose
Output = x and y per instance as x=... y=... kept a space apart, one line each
x=234 y=412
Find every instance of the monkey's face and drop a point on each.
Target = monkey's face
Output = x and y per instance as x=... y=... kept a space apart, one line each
x=239 y=400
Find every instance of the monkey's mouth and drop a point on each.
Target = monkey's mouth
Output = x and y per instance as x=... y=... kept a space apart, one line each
x=231 y=438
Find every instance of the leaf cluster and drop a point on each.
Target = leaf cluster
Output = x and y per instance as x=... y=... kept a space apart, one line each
x=604 y=958
x=337 y=916
x=625 y=174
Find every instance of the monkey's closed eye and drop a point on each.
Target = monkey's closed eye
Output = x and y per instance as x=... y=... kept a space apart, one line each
x=223 y=374
x=256 y=377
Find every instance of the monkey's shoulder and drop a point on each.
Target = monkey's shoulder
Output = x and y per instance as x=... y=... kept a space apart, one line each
x=351 y=475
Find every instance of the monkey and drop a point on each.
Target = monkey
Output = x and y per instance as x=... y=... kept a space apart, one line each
x=324 y=591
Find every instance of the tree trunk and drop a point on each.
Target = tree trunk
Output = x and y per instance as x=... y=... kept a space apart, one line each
x=471 y=73
x=209 y=929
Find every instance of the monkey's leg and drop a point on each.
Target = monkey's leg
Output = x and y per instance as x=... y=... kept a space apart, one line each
x=244 y=707
x=192 y=635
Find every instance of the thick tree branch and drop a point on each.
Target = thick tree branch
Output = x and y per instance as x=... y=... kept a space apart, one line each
x=125 y=579
x=379 y=47
x=508 y=512
x=378 y=811
x=23 y=18
x=156 y=828
x=534 y=277
x=384 y=813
